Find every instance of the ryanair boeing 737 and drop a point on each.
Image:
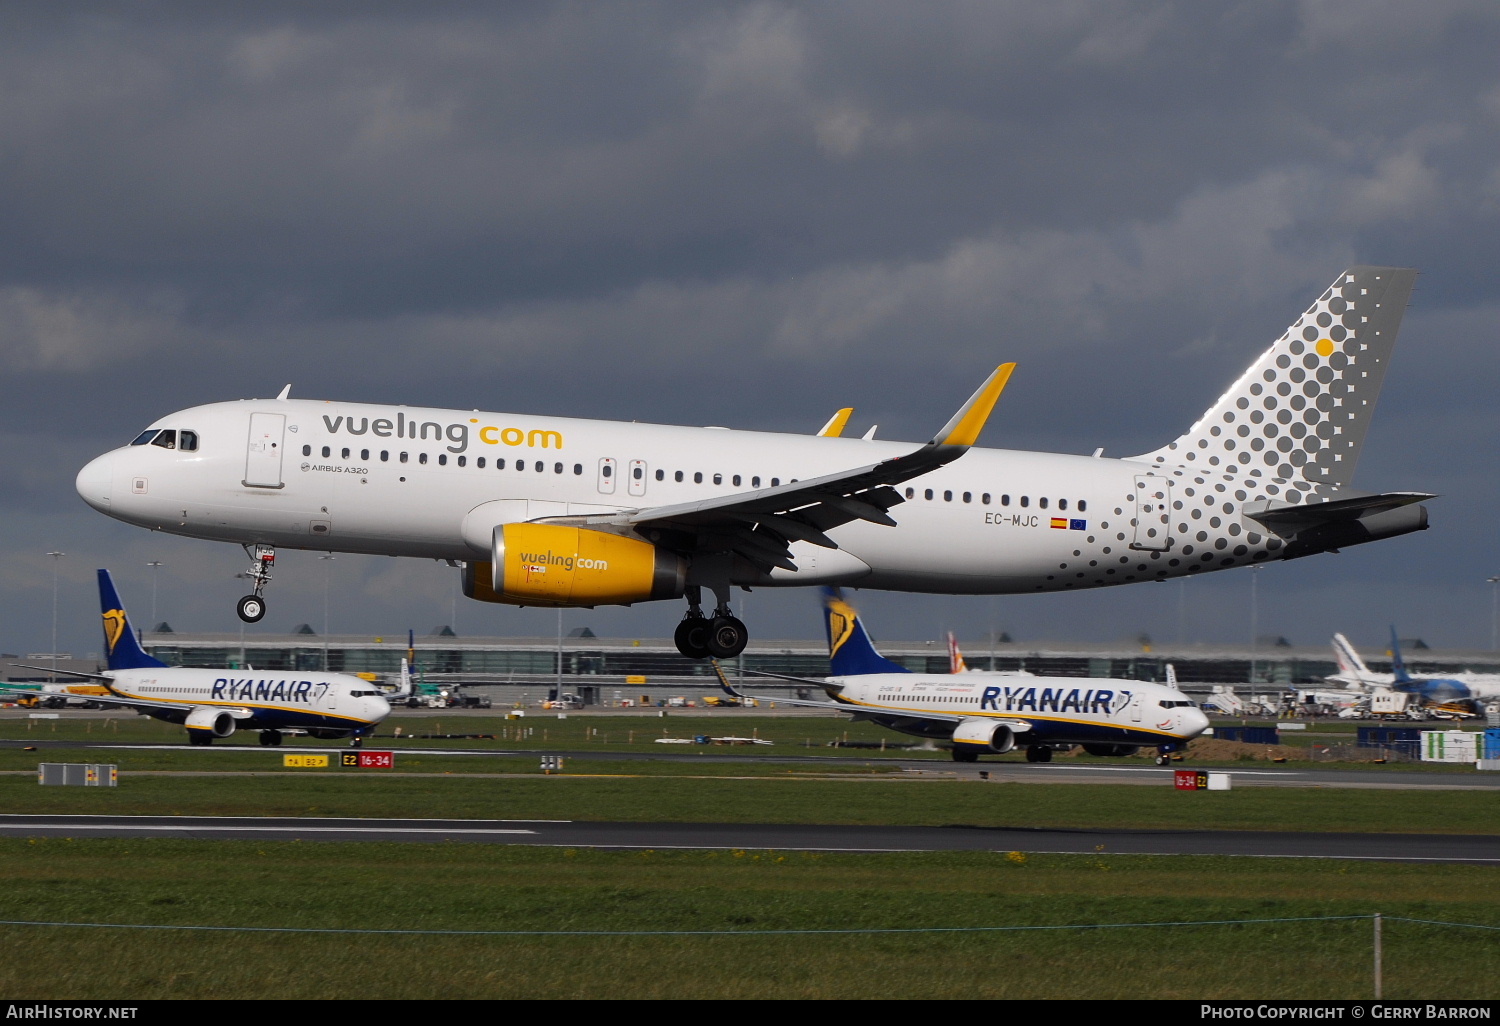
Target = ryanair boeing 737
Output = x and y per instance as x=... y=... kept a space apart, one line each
x=545 y=511
x=993 y=713
x=215 y=703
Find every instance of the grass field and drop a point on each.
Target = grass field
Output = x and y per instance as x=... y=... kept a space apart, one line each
x=486 y=887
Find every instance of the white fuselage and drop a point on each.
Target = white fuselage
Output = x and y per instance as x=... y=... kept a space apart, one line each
x=1058 y=709
x=257 y=699
x=433 y=483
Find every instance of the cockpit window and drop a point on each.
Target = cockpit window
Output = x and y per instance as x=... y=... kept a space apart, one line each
x=145 y=436
x=166 y=439
x=1177 y=705
x=187 y=441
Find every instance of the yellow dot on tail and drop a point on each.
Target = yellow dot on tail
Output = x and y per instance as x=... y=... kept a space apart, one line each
x=1325 y=347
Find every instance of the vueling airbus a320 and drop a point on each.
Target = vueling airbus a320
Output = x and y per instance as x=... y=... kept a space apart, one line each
x=545 y=511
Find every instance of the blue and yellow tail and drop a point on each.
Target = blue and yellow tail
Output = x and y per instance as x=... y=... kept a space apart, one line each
x=121 y=650
x=1398 y=665
x=850 y=651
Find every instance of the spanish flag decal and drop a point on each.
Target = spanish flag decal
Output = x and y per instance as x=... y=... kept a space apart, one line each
x=1059 y=523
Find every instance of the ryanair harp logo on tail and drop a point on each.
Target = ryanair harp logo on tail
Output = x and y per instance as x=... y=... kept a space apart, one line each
x=114 y=626
x=841 y=620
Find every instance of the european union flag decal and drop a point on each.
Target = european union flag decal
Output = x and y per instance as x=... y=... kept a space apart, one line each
x=1078 y=525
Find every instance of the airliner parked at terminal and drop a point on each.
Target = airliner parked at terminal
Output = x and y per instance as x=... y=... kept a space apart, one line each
x=547 y=511
x=215 y=703
x=984 y=713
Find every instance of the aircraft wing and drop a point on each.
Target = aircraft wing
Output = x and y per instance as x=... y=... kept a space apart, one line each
x=844 y=707
x=70 y=673
x=760 y=525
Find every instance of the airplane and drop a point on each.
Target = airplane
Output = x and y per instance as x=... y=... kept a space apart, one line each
x=551 y=511
x=213 y=704
x=981 y=716
x=957 y=663
x=1468 y=689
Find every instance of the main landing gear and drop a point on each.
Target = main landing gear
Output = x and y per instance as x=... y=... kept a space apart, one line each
x=252 y=607
x=722 y=636
x=1038 y=753
x=270 y=738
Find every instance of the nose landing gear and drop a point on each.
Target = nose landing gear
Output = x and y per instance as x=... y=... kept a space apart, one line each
x=252 y=607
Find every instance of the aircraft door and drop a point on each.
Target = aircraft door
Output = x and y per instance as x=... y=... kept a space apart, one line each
x=637 y=482
x=263 y=454
x=1153 y=513
x=607 y=471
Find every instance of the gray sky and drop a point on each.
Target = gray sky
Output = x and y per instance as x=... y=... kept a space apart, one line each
x=741 y=214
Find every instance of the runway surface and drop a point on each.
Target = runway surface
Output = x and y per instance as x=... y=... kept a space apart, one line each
x=562 y=833
x=1002 y=770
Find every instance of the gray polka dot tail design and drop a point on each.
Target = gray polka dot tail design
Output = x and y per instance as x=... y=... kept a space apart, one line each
x=1285 y=438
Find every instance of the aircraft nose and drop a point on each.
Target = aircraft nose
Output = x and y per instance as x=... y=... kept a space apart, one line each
x=95 y=481
x=379 y=708
x=1194 y=722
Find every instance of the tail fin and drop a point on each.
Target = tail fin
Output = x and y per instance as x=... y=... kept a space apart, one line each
x=1301 y=411
x=850 y=651
x=1171 y=676
x=122 y=651
x=1398 y=665
x=956 y=662
x=1351 y=666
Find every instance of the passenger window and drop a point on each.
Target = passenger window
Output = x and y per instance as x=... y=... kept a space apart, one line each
x=188 y=441
x=775 y=482
x=499 y=462
x=736 y=481
x=307 y=450
x=947 y=496
x=578 y=469
x=1082 y=506
x=755 y=482
x=166 y=439
x=144 y=437
x=608 y=471
x=985 y=498
x=1042 y=502
x=637 y=473
x=677 y=476
x=1025 y=500
x=479 y=462
x=385 y=455
x=364 y=454
x=442 y=459
x=404 y=457
x=344 y=453
x=698 y=477
x=1005 y=500
x=718 y=479
x=1062 y=503
x=463 y=461
x=968 y=496
x=327 y=452
x=910 y=492
x=557 y=468
x=927 y=494
x=520 y=464
x=421 y=457
x=661 y=475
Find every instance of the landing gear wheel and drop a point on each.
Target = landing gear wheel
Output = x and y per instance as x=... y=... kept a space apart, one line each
x=964 y=755
x=1163 y=759
x=270 y=738
x=195 y=739
x=727 y=637
x=251 y=608
x=691 y=637
x=357 y=742
x=1038 y=753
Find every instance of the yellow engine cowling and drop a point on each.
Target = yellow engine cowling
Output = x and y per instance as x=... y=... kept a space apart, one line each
x=558 y=565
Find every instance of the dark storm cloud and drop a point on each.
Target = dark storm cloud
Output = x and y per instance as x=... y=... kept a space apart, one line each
x=746 y=214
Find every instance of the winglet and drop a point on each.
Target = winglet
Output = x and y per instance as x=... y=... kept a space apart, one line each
x=835 y=426
x=963 y=430
x=285 y=391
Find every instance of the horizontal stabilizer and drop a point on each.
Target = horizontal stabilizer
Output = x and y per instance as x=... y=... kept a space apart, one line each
x=1285 y=518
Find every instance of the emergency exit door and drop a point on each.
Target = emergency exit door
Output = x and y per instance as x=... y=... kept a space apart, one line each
x=1153 y=513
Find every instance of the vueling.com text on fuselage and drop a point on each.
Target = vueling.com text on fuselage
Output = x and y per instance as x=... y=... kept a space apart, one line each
x=455 y=434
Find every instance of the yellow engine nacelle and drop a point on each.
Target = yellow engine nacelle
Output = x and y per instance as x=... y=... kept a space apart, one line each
x=557 y=565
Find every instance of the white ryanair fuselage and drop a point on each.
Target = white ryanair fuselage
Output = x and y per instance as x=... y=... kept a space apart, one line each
x=1060 y=710
x=433 y=483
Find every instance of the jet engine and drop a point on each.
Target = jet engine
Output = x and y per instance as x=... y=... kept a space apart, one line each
x=997 y=737
x=215 y=722
x=560 y=565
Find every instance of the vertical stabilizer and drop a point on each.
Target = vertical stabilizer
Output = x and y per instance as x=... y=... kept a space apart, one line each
x=1398 y=665
x=956 y=662
x=850 y=651
x=1351 y=666
x=1301 y=411
x=122 y=651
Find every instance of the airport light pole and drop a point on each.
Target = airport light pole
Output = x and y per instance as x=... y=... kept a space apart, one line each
x=327 y=558
x=155 y=565
x=55 y=557
x=1494 y=612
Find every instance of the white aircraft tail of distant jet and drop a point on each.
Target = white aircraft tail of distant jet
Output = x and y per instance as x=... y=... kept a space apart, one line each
x=214 y=704
x=548 y=511
x=992 y=713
